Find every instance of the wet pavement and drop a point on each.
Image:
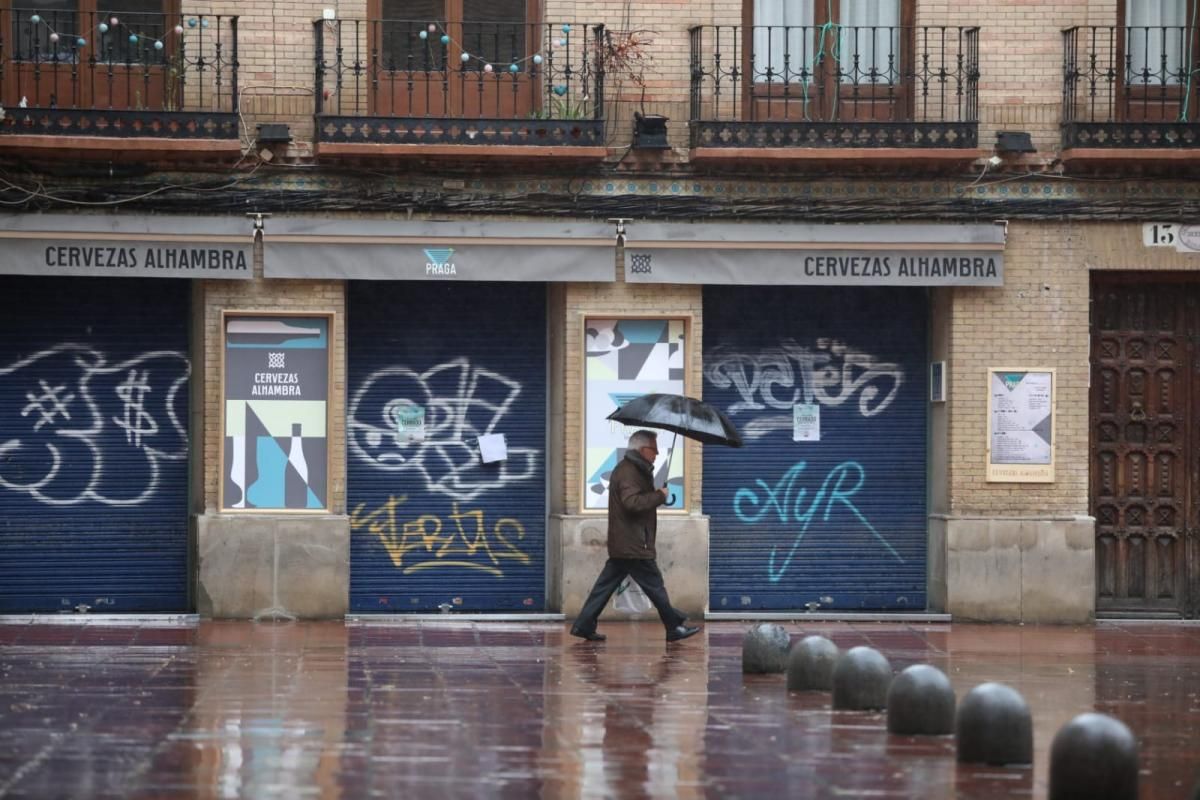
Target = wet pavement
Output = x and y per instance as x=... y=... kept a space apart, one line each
x=491 y=709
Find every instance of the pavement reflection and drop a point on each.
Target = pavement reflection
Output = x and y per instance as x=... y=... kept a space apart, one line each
x=489 y=709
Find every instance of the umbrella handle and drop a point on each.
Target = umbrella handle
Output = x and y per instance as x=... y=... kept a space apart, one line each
x=674 y=439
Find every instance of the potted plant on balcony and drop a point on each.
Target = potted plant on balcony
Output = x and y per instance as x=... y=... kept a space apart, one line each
x=624 y=54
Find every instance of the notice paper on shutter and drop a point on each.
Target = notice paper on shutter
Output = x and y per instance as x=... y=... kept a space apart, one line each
x=492 y=447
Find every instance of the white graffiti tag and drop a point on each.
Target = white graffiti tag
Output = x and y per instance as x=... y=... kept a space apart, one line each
x=778 y=378
x=63 y=446
x=447 y=408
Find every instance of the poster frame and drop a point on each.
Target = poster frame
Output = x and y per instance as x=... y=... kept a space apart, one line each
x=330 y=317
x=1021 y=473
x=687 y=319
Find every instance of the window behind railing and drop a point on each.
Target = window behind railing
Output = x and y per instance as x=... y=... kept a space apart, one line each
x=119 y=32
x=401 y=45
x=859 y=40
x=1156 y=42
x=869 y=44
x=141 y=18
x=488 y=31
x=45 y=31
x=784 y=41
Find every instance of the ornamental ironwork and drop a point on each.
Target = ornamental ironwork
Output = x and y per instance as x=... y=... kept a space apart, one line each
x=413 y=82
x=1130 y=87
x=70 y=73
x=834 y=86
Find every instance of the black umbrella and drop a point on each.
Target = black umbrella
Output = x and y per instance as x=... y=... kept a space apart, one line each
x=679 y=414
x=688 y=416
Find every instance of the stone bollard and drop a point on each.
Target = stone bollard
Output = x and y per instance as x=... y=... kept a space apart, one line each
x=810 y=665
x=860 y=680
x=765 y=648
x=994 y=726
x=920 y=702
x=1094 y=756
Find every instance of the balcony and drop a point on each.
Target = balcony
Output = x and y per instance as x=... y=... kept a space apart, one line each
x=475 y=91
x=832 y=93
x=139 y=85
x=1130 y=95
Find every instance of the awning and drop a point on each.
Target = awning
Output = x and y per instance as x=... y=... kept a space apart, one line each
x=296 y=247
x=126 y=246
x=817 y=255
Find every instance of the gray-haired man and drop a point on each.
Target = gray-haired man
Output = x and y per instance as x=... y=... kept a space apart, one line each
x=632 y=528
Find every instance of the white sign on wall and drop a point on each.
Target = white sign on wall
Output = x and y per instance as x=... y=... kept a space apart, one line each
x=1020 y=443
x=1184 y=238
x=806 y=422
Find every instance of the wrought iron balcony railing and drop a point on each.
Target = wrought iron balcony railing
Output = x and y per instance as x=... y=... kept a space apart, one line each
x=67 y=73
x=409 y=82
x=1131 y=87
x=834 y=86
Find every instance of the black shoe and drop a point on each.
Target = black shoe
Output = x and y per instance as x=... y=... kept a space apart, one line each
x=682 y=632
x=591 y=637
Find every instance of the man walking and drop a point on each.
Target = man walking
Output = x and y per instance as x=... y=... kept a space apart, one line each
x=632 y=527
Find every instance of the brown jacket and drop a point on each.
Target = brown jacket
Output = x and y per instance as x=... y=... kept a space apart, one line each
x=632 y=504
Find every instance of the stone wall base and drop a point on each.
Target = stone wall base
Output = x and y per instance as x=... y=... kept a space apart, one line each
x=1021 y=570
x=272 y=566
x=578 y=549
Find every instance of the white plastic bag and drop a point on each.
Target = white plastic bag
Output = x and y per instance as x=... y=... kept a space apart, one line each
x=630 y=598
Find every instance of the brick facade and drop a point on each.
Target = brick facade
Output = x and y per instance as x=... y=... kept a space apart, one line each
x=314 y=297
x=988 y=541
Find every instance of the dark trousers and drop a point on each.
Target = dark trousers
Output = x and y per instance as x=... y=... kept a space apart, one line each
x=647 y=575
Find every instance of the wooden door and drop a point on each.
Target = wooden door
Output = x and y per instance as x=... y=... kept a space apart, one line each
x=48 y=67
x=829 y=67
x=1154 y=63
x=43 y=67
x=427 y=77
x=1144 y=425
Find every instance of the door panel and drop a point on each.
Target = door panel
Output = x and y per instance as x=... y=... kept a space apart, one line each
x=1154 y=50
x=1143 y=442
x=830 y=61
x=109 y=70
x=426 y=77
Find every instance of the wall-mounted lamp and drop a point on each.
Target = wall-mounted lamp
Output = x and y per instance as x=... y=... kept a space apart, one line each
x=274 y=133
x=620 y=223
x=257 y=218
x=1014 y=142
x=650 y=132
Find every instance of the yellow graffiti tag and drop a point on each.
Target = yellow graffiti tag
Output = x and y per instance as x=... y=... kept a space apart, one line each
x=428 y=541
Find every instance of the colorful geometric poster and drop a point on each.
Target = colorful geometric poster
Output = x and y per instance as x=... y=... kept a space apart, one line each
x=276 y=406
x=624 y=359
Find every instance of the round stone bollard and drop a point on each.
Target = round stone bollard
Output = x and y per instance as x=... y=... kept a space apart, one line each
x=860 y=680
x=1094 y=756
x=765 y=648
x=920 y=702
x=810 y=665
x=994 y=726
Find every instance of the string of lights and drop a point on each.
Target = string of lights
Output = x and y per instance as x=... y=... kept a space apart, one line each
x=157 y=42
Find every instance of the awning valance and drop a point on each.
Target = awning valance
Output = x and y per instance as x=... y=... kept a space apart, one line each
x=126 y=246
x=297 y=247
x=818 y=255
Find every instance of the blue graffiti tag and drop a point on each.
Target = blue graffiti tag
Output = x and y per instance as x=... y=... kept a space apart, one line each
x=787 y=499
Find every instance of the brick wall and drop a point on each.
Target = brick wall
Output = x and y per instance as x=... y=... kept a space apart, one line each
x=275 y=295
x=617 y=300
x=1040 y=318
x=1021 y=53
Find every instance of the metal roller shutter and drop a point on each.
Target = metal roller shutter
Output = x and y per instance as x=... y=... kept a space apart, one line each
x=431 y=525
x=93 y=444
x=839 y=522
